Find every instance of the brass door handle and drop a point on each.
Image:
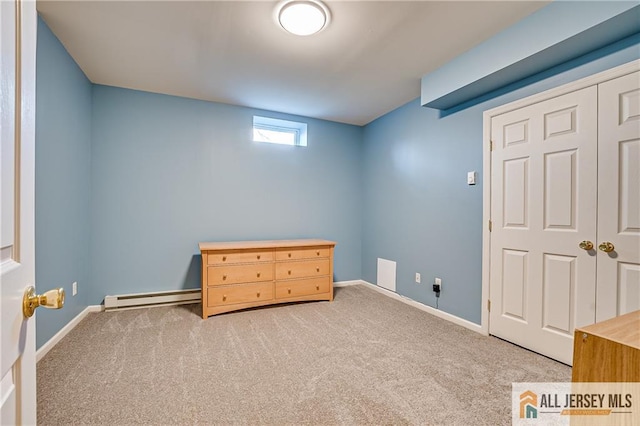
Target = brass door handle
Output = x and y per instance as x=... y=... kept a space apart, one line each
x=606 y=247
x=52 y=299
x=586 y=245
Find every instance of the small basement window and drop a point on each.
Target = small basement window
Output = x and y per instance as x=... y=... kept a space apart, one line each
x=284 y=132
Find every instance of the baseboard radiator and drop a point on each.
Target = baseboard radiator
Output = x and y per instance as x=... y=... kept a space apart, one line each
x=147 y=300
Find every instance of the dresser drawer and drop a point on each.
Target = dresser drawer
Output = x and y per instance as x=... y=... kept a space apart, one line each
x=302 y=269
x=302 y=253
x=233 y=274
x=244 y=293
x=224 y=258
x=296 y=288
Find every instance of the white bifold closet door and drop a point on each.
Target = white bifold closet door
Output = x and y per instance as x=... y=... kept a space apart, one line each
x=619 y=196
x=543 y=202
x=565 y=171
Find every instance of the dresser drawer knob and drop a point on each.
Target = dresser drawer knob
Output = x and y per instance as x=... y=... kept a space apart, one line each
x=224 y=297
x=318 y=253
x=224 y=258
x=289 y=254
x=224 y=277
x=289 y=290
x=258 y=294
x=289 y=271
x=317 y=269
x=317 y=287
x=258 y=257
x=258 y=274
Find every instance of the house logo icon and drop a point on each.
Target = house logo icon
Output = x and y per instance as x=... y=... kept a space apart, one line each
x=528 y=405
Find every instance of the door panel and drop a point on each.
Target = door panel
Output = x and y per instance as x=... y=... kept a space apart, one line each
x=558 y=289
x=558 y=123
x=560 y=176
x=516 y=199
x=619 y=196
x=628 y=288
x=516 y=133
x=543 y=203
x=514 y=295
x=629 y=198
x=629 y=101
x=8 y=249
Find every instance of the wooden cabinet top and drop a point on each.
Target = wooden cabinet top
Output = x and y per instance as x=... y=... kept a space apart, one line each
x=624 y=329
x=266 y=244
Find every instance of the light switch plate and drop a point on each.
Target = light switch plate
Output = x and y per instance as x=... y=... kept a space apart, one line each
x=471 y=178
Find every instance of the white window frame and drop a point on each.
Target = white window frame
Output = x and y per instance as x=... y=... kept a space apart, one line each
x=298 y=129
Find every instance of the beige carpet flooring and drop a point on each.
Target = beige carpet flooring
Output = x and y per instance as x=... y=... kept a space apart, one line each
x=363 y=359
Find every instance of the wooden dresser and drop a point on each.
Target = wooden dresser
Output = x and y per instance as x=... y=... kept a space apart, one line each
x=608 y=351
x=244 y=274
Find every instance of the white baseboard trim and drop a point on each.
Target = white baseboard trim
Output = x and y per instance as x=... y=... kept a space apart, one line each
x=433 y=311
x=44 y=349
x=348 y=283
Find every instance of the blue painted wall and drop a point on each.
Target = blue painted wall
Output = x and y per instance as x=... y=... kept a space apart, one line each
x=169 y=172
x=128 y=182
x=63 y=181
x=418 y=209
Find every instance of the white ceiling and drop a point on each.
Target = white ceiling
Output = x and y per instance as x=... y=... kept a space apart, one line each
x=366 y=63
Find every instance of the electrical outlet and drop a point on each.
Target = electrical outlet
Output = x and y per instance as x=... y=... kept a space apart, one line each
x=417 y=278
x=437 y=285
x=74 y=288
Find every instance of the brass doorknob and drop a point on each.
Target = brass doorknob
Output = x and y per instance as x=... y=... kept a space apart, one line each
x=586 y=245
x=606 y=247
x=53 y=299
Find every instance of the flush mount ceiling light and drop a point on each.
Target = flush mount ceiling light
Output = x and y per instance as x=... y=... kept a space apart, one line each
x=302 y=17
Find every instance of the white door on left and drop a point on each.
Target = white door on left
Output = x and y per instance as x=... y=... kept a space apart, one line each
x=17 y=261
